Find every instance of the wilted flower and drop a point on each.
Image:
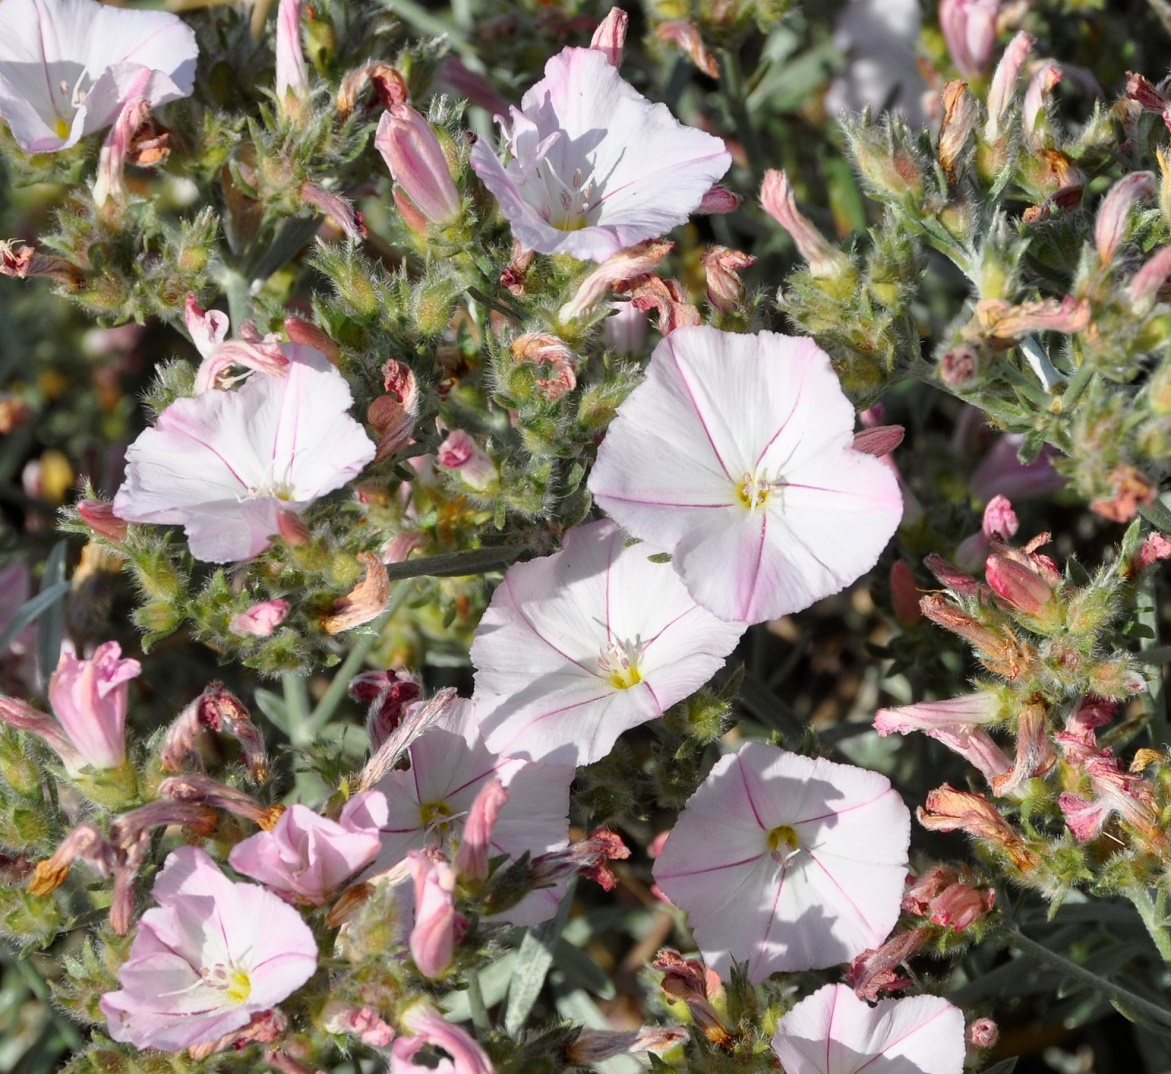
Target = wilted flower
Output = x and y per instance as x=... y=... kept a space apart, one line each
x=67 y=67
x=427 y=1027
x=835 y=1032
x=787 y=863
x=570 y=652
x=736 y=455
x=259 y=620
x=225 y=464
x=824 y=259
x=305 y=856
x=205 y=960
x=596 y=166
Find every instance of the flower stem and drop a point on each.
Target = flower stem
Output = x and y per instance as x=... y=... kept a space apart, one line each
x=296 y=708
x=736 y=95
x=456 y=564
x=1152 y=908
x=1115 y=993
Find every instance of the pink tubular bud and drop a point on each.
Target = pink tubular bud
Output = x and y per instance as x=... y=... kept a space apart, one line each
x=1145 y=285
x=89 y=697
x=293 y=531
x=1114 y=212
x=301 y=331
x=337 y=208
x=292 y=78
x=904 y=594
x=461 y=453
x=776 y=195
x=969 y=28
x=471 y=860
x=1034 y=118
x=260 y=620
x=101 y=519
x=610 y=36
x=1004 y=81
x=1021 y=587
x=414 y=219
x=718 y=201
x=878 y=440
x=416 y=162
x=721 y=266
x=962 y=905
x=110 y=184
x=685 y=35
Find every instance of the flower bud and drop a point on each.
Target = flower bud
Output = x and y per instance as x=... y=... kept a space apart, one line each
x=969 y=28
x=461 y=453
x=259 y=620
x=904 y=594
x=610 y=36
x=28 y=261
x=718 y=201
x=540 y=348
x=432 y=938
x=336 y=208
x=1004 y=81
x=685 y=34
x=1114 y=212
x=292 y=78
x=1034 y=117
x=983 y=1033
x=618 y=273
x=416 y=162
x=669 y=301
x=471 y=861
x=89 y=697
x=949 y=810
x=1020 y=587
x=878 y=969
x=101 y=519
x=110 y=185
x=825 y=261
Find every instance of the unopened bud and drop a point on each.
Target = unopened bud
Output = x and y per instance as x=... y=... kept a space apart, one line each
x=969 y=28
x=776 y=195
x=725 y=289
x=1114 y=213
x=1004 y=81
x=417 y=163
x=610 y=36
x=685 y=34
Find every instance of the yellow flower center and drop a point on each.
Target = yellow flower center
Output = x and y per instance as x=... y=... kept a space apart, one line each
x=62 y=129
x=435 y=816
x=754 y=490
x=619 y=663
x=783 y=842
x=239 y=986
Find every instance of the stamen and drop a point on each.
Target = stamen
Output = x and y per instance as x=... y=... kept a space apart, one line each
x=619 y=663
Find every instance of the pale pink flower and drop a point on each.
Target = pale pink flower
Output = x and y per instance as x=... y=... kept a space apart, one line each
x=596 y=166
x=433 y=936
x=459 y=452
x=226 y=464
x=89 y=698
x=427 y=1027
x=211 y=955
x=209 y=329
x=292 y=77
x=735 y=455
x=305 y=856
x=430 y=805
x=835 y=1032
x=68 y=66
x=571 y=652
x=787 y=863
x=259 y=620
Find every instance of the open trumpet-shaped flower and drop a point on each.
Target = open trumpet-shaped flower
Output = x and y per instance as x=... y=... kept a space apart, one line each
x=834 y=1032
x=596 y=166
x=224 y=464
x=211 y=955
x=787 y=863
x=68 y=66
x=577 y=647
x=735 y=456
x=430 y=805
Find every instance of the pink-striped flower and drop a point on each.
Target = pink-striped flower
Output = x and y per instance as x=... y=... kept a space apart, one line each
x=736 y=455
x=787 y=863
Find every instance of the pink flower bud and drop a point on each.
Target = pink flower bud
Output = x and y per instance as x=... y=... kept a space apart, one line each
x=718 y=201
x=983 y=1033
x=904 y=594
x=685 y=34
x=610 y=36
x=293 y=531
x=825 y=261
x=260 y=620
x=999 y=521
x=432 y=939
x=101 y=519
x=1004 y=81
x=110 y=184
x=961 y=905
x=461 y=453
x=337 y=208
x=89 y=697
x=292 y=78
x=1145 y=285
x=387 y=693
x=969 y=28
x=28 y=261
x=416 y=162
x=878 y=440
x=1021 y=587
x=1114 y=212
x=414 y=219
x=471 y=860
x=1034 y=118
x=725 y=289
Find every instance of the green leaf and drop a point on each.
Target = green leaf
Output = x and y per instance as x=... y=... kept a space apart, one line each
x=51 y=628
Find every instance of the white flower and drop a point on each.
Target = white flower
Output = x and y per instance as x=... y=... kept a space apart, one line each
x=596 y=166
x=225 y=463
x=68 y=66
